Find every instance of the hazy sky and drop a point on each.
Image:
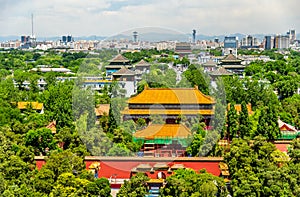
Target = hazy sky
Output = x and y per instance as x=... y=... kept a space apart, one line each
x=108 y=17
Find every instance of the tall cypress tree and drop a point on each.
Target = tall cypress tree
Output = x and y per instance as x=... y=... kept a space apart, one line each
x=244 y=126
x=112 y=123
x=232 y=122
x=268 y=123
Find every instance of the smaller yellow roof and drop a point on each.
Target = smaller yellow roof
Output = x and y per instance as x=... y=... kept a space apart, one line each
x=163 y=131
x=238 y=107
x=102 y=109
x=223 y=166
x=52 y=127
x=155 y=181
x=33 y=105
x=94 y=165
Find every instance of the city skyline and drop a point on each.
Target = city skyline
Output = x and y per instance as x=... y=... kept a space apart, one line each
x=108 y=18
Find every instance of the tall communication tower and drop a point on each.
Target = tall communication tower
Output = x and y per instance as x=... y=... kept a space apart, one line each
x=135 y=35
x=194 y=35
x=32 y=37
x=32 y=25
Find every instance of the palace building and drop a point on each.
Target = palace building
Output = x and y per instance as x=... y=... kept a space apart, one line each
x=232 y=64
x=169 y=104
x=183 y=48
x=116 y=64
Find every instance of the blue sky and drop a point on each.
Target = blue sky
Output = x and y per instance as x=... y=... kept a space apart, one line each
x=108 y=17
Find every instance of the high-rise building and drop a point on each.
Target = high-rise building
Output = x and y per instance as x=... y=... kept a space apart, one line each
x=230 y=45
x=281 y=42
x=64 y=39
x=249 y=42
x=231 y=42
x=269 y=43
x=25 y=39
x=69 y=38
x=292 y=35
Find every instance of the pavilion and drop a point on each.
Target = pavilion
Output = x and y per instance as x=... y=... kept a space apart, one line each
x=116 y=64
x=232 y=64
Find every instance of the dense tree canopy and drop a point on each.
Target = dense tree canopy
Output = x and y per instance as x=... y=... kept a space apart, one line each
x=256 y=167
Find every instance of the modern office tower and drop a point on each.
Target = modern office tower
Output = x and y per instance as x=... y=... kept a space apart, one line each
x=64 y=39
x=230 y=45
x=69 y=38
x=25 y=39
x=231 y=42
x=269 y=43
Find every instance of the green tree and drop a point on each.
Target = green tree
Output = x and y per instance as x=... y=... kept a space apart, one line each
x=235 y=91
x=20 y=77
x=287 y=86
x=119 y=149
x=294 y=151
x=244 y=122
x=41 y=139
x=268 y=123
x=194 y=148
x=100 y=187
x=58 y=104
x=186 y=182
x=83 y=103
x=44 y=181
x=197 y=77
x=232 y=122
x=156 y=119
x=140 y=123
x=135 y=187
x=64 y=162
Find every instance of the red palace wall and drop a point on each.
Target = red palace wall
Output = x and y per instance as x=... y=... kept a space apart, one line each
x=120 y=167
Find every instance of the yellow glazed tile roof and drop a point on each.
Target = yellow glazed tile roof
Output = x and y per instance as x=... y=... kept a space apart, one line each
x=167 y=112
x=238 y=107
x=171 y=96
x=34 y=105
x=163 y=131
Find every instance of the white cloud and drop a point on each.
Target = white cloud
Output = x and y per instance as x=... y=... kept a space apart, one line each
x=107 y=17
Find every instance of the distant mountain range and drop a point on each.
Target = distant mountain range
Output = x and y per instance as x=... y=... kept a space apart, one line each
x=149 y=36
